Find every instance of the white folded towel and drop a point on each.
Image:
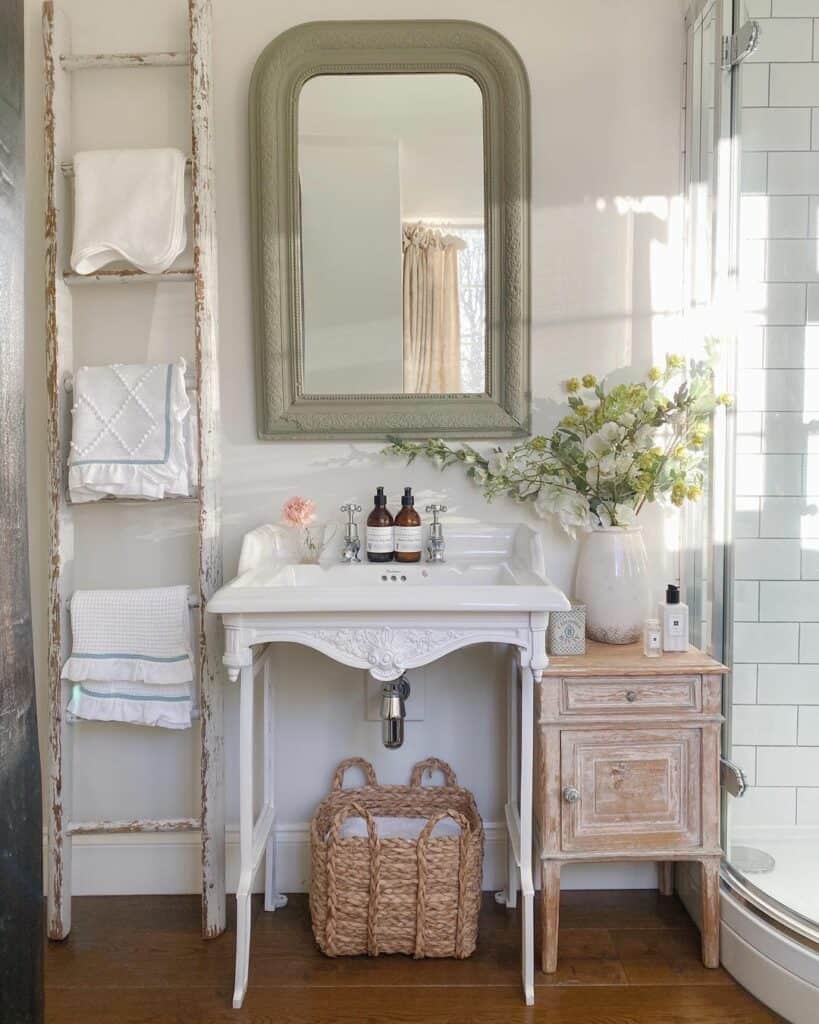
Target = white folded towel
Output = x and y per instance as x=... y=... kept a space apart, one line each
x=138 y=636
x=129 y=432
x=398 y=828
x=128 y=204
x=167 y=706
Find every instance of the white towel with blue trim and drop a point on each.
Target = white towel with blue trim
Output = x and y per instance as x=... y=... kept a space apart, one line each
x=129 y=432
x=129 y=204
x=131 y=656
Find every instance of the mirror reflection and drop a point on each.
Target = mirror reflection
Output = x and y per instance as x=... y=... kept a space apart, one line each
x=391 y=175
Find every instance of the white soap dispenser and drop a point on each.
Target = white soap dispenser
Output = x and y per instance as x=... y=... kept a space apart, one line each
x=674 y=618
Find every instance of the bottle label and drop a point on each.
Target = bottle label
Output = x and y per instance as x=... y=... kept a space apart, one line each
x=675 y=625
x=654 y=639
x=380 y=540
x=408 y=538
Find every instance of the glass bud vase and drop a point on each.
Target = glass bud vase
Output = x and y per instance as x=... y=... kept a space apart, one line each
x=613 y=582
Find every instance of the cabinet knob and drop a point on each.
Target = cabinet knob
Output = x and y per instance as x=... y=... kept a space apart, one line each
x=571 y=794
x=631 y=696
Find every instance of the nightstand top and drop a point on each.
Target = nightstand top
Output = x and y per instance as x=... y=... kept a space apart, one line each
x=629 y=660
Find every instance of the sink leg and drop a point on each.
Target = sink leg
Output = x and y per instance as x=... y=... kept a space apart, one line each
x=526 y=884
x=245 y=883
x=273 y=899
x=512 y=771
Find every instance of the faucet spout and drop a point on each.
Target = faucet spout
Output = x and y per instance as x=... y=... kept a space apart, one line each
x=394 y=694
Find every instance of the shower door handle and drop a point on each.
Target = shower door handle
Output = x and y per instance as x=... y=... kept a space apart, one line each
x=732 y=777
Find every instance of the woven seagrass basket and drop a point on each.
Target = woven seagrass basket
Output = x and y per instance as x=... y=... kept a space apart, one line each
x=393 y=894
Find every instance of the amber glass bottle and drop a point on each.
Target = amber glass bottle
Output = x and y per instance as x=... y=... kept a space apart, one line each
x=408 y=530
x=380 y=530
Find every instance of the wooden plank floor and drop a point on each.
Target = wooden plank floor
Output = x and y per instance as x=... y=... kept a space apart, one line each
x=625 y=958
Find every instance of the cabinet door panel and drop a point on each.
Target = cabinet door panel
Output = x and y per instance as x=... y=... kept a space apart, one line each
x=633 y=789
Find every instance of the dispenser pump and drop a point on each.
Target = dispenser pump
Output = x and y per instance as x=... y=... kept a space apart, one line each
x=672 y=594
x=380 y=499
x=407 y=500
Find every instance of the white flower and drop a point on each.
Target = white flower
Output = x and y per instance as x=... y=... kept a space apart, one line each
x=611 y=433
x=569 y=508
x=607 y=466
x=628 y=419
x=498 y=463
x=479 y=475
x=644 y=437
x=625 y=515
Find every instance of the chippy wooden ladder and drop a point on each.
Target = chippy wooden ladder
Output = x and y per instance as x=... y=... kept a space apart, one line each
x=60 y=63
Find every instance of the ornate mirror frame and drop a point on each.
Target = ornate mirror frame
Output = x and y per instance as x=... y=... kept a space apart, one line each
x=284 y=411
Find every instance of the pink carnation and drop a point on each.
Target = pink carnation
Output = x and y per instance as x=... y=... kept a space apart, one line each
x=298 y=511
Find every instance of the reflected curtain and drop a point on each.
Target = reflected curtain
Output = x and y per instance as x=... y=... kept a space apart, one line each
x=432 y=328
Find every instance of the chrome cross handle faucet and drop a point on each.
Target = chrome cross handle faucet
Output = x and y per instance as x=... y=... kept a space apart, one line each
x=352 y=541
x=435 y=544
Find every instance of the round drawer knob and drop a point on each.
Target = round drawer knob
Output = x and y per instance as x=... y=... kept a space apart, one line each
x=631 y=696
x=571 y=794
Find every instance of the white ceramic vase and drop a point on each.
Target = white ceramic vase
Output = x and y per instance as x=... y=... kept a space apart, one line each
x=612 y=581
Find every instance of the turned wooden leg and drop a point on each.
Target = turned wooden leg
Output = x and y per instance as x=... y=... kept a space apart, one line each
x=709 y=885
x=665 y=876
x=550 y=915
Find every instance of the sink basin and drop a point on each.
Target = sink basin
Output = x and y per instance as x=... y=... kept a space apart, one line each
x=487 y=568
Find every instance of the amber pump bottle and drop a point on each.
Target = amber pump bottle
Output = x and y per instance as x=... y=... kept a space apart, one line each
x=408 y=530
x=380 y=530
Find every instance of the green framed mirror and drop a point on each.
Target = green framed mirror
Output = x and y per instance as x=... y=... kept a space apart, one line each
x=390 y=226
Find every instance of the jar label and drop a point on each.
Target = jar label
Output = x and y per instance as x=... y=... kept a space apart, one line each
x=380 y=540
x=408 y=538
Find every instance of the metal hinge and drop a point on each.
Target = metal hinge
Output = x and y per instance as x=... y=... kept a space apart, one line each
x=732 y=777
x=740 y=45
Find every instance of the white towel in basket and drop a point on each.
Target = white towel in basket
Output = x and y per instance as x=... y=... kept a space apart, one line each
x=129 y=432
x=398 y=828
x=129 y=204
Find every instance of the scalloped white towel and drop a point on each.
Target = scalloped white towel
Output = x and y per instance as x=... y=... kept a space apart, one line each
x=129 y=204
x=129 y=432
x=167 y=706
x=140 y=636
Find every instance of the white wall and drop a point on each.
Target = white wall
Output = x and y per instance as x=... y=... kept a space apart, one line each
x=606 y=96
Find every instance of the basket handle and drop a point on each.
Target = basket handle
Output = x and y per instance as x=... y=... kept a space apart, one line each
x=374 y=845
x=353 y=762
x=421 y=905
x=432 y=763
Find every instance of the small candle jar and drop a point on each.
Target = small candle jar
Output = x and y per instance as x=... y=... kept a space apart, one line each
x=652 y=639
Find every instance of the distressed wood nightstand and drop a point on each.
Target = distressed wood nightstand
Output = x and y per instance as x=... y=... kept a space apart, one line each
x=627 y=768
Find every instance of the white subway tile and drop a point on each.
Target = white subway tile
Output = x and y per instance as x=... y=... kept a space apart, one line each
x=745 y=757
x=789 y=517
x=754 y=173
x=758 y=8
x=814 y=127
x=753 y=265
x=749 y=431
x=751 y=347
x=807 y=806
x=791 y=259
x=813 y=201
x=787 y=766
x=764 y=807
x=777 y=390
x=788 y=601
x=811 y=472
x=774 y=216
x=791 y=347
x=816 y=39
x=743 y=684
x=793 y=173
x=793 y=85
x=768 y=474
x=773 y=303
x=775 y=128
x=755 y=85
x=793 y=8
x=766 y=642
x=767 y=559
x=746 y=517
x=746 y=600
x=810 y=560
x=788 y=684
x=808 y=643
x=790 y=431
x=808 y=729
x=813 y=303
x=783 y=39
x=771 y=725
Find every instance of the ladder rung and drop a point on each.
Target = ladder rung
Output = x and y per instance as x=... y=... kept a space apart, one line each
x=127 y=276
x=100 y=61
x=67 y=167
x=95 y=828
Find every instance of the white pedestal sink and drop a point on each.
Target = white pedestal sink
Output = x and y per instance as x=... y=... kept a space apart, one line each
x=387 y=618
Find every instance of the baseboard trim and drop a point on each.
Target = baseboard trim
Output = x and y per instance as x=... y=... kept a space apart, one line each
x=166 y=864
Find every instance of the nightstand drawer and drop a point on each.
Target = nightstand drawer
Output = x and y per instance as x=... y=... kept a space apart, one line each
x=630 y=789
x=647 y=694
